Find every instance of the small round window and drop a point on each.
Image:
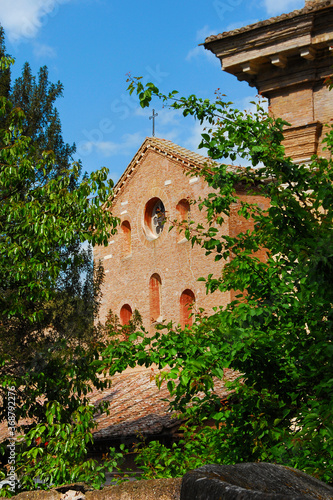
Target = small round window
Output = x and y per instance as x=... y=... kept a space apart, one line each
x=154 y=217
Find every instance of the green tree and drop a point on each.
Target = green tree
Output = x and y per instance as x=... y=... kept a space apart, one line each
x=278 y=332
x=40 y=220
x=47 y=336
x=36 y=161
x=5 y=76
x=36 y=97
x=41 y=120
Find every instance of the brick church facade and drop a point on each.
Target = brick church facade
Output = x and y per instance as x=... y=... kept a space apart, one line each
x=147 y=267
x=288 y=59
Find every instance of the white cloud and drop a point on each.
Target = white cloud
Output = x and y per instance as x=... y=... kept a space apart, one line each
x=194 y=138
x=171 y=125
x=168 y=117
x=142 y=111
x=199 y=51
x=23 y=18
x=203 y=33
x=172 y=134
x=168 y=124
x=44 y=51
x=274 y=7
x=128 y=144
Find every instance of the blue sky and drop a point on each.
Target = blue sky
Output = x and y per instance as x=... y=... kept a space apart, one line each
x=90 y=46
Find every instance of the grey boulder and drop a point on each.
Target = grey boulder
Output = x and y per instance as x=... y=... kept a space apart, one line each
x=253 y=481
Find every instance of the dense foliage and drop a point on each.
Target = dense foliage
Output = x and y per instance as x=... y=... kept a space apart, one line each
x=50 y=291
x=278 y=332
x=36 y=98
x=55 y=452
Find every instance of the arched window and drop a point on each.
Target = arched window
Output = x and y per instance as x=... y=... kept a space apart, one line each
x=187 y=300
x=155 y=297
x=183 y=208
x=125 y=314
x=154 y=218
x=126 y=237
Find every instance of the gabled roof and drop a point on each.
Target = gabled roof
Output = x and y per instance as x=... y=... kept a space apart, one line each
x=187 y=158
x=137 y=406
x=309 y=8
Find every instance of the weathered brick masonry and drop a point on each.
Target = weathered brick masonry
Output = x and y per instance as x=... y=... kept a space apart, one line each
x=155 y=271
x=287 y=58
x=158 y=273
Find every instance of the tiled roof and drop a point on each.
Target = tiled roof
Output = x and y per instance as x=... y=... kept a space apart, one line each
x=137 y=406
x=187 y=158
x=309 y=7
x=168 y=148
x=179 y=152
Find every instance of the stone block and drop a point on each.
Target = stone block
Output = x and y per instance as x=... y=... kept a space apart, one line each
x=253 y=481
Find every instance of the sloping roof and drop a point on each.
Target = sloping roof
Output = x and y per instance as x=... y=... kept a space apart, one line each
x=309 y=7
x=137 y=406
x=186 y=157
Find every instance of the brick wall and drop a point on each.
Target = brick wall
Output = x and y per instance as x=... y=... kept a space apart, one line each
x=308 y=109
x=288 y=59
x=293 y=104
x=238 y=224
x=153 y=276
x=169 y=258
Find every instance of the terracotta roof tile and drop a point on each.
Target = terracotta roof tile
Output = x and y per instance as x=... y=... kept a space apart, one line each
x=189 y=159
x=137 y=406
x=179 y=151
x=309 y=7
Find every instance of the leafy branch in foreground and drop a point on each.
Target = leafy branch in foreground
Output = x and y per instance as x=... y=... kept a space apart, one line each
x=39 y=222
x=278 y=332
x=55 y=452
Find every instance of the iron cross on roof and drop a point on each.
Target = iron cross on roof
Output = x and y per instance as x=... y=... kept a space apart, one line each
x=153 y=118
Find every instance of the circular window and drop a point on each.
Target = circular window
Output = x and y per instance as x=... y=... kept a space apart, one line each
x=154 y=218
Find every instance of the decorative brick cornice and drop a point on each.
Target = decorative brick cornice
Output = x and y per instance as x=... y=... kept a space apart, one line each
x=310 y=7
x=280 y=51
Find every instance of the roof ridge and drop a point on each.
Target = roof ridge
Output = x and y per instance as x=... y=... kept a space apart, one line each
x=182 y=151
x=310 y=6
x=188 y=157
